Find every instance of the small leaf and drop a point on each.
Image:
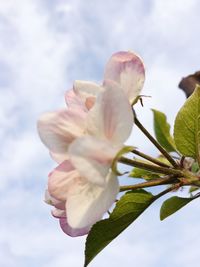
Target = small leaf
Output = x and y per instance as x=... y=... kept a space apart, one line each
x=127 y=210
x=171 y=205
x=144 y=174
x=162 y=131
x=163 y=160
x=187 y=127
x=124 y=150
x=195 y=167
x=193 y=189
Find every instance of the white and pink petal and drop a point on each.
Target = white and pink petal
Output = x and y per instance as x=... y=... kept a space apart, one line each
x=58 y=129
x=74 y=101
x=59 y=157
x=72 y=231
x=127 y=69
x=111 y=118
x=87 y=203
x=61 y=215
x=92 y=158
x=85 y=89
x=61 y=179
x=58 y=213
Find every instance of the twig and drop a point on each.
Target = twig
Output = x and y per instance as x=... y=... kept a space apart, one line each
x=142 y=155
x=162 y=181
x=150 y=167
x=153 y=140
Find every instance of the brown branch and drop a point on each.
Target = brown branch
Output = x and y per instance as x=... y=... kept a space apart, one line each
x=162 y=181
x=150 y=167
x=188 y=84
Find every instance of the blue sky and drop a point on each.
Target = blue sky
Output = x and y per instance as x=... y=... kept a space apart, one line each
x=45 y=45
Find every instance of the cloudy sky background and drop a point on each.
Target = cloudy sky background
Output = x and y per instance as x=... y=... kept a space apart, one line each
x=44 y=46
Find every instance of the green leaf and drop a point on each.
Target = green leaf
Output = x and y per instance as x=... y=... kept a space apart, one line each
x=193 y=189
x=144 y=174
x=162 y=131
x=195 y=167
x=127 y=210
x=187 y=127
x=124 y=150
x=163 y=160
x=171 y=205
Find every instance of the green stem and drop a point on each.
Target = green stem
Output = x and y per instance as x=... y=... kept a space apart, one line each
x=153 y=140
x=197 y=184
x=150 y=167
x=142 y=155
x=163 y=181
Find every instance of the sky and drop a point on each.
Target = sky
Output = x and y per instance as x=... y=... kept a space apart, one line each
x=45 y=46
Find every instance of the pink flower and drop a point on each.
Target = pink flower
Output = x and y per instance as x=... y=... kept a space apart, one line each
x=81 y=203
x=59 y=129
x=85 y=182
x=85 y=138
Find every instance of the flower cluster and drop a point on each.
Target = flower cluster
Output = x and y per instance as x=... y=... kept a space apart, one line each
x=85 y=137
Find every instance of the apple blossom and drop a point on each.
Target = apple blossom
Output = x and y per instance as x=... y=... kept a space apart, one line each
x=84 y=139
x=79 y=203
x=85 y=182
x=58 y=129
